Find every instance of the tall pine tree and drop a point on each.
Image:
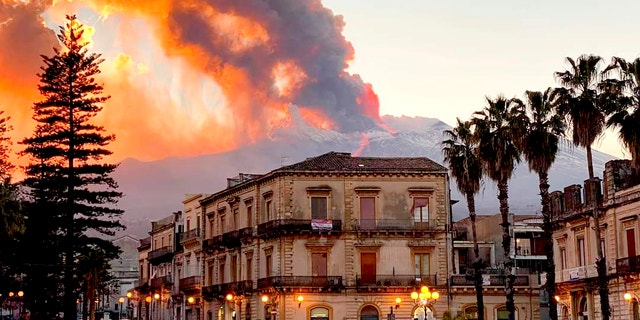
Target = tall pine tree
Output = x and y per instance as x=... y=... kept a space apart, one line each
x=71 y=189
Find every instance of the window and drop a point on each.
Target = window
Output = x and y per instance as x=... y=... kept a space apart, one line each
x=162 y=242
x=222 y=226
x=210 y=280
x=269 y=210
x=318 y=207
x=268 y=265
x=581 y=252
x=471 y=313
x=188 y=224
x=563 y=258
x=367 y=212
x=249 y=215
x=420 y=209
x=319 y=313
x=369 y=313
x=211 y=228
x=249 y=268
x=421 y=264
x=221 y=273
x=603 y=247
x=502 y=314
x=247 y=312
x=235 y=218
x=234 y=268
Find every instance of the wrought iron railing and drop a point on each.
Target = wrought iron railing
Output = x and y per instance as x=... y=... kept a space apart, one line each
x=395 y=280
x=190 y=235
x=298 y=225
x=494 y=280
x=159 y=253
x=190 y=283
x=628 y=265
x=300 y=281
x=162 y=281
x=396 y=224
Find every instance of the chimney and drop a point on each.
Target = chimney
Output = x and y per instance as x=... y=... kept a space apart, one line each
x=572 y=197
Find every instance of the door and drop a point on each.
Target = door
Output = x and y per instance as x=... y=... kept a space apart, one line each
x=631 y=243
x=368 y=268
x=319 y=269
x=367 y=213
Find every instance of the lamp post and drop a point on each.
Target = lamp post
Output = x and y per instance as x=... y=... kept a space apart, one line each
x=121 y=300
x=147 y=299
x=425 y=299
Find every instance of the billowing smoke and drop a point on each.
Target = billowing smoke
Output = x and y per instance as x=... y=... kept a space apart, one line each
x=262 y=56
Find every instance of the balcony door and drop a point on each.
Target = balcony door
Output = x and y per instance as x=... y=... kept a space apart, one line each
x=368 y=267
x=631 y=243
x=319 y=264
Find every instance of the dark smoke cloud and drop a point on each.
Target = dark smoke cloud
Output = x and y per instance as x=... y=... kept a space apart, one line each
x=302 y=31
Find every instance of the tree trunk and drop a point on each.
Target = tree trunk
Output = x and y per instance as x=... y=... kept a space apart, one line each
x=547 y=230
x=601 y=263
x=477 y=264
x=509 y=271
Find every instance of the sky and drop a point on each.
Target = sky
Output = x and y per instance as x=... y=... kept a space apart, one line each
x=204 y=76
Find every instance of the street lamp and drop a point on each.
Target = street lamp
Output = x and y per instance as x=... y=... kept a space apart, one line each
x=121 y=300
x=425 y=299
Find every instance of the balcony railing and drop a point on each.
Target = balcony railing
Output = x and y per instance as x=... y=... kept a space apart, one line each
x=213 y=244
x=394 y=280
x=193 y=234
x=396 y=224
x=163 y=281
x=160 y=255
x=286 y=226
x=628 y=265
x=220 y=290
x=300 y=281
x=190 y=283
x=494 y=281
x=578 y=273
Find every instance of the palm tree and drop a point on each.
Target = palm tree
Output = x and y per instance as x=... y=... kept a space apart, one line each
x=539 y=148
x=497 y=127
x=459 y=150
x=627 y=117
x=581 y=100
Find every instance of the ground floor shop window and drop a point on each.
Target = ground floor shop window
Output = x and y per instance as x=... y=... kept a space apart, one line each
x=369 y=313
x=319 y=313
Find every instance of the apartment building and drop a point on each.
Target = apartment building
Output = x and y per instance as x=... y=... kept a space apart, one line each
x=527 y=255
x=575 y=244
x=331 y=237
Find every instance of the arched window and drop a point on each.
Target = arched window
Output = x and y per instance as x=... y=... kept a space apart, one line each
x=247 y=313
x=564 y=313
x=423 y=313
x=471 y=313
x=369 y=313
x=583 y=313
x=319 y=313
x=503 y=314
x=635 y=310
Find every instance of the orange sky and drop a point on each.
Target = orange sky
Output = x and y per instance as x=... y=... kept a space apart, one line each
x=186 y=77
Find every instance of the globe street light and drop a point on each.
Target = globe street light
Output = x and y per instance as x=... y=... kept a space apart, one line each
x=121 y=300
x=425 y=299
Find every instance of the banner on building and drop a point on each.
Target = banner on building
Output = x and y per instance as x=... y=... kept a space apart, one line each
x=319 y=224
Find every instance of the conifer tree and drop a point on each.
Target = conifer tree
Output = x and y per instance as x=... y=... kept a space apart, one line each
x=70 y=186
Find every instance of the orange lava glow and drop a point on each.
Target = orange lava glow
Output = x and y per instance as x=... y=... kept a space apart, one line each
x=317 y=119
x=364 y=142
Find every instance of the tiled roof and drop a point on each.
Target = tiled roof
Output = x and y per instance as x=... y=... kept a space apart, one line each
x=341 y=162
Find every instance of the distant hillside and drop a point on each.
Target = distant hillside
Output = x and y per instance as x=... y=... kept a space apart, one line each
x=155 y=189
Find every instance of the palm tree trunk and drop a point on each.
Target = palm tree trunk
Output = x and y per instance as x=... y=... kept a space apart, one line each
x=547 y=229
x=503 y=197
x=477 y=264
x=601 y=263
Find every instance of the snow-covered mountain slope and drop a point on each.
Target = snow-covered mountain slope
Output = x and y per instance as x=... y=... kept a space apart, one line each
x=155 y=189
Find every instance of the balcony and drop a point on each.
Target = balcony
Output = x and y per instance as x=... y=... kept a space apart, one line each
x=396 y=225
x=275 y=228
x=190 y=284
x=628 y=265
x=494 y=281
x=233 y=239
x=317 y=282
x=160 y=255
x=578 y=273
x=394 y=280
x=162 y=282
x=213 y=244
x=219 y=291
x=190 y=236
